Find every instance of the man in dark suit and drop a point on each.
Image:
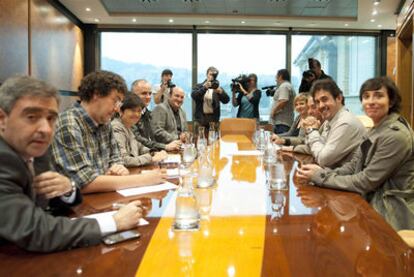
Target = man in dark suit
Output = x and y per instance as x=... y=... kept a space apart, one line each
x=28 y=111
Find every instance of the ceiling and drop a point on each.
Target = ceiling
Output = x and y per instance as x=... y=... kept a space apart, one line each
x=300 y=14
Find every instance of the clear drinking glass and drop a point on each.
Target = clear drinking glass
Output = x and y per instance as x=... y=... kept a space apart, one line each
x=205 y=171
x=277 y=177
x=189 y=153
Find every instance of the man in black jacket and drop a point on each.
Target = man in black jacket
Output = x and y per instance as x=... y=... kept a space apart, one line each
x=28 y=111
x=207 y=96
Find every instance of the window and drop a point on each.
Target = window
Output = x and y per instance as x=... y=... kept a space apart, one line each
x=349 y=60
x=235 y=54
x=146 y=55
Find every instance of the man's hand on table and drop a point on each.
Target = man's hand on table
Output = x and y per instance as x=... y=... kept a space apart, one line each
x=306 y=171
x=128 y=216
x=117 y=170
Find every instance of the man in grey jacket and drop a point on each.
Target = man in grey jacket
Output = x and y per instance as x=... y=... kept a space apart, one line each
x=28 y=111
x=334 y=142
x=169 y=121
x=143 y=129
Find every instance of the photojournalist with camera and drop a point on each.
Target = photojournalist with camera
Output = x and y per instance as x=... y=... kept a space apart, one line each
x=246 y=96
x=162 y=91
x=281 y=114
x=207 y=97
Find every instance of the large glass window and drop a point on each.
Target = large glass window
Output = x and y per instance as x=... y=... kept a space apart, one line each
x=145 y=55
x=349 y=60
x=235 y=54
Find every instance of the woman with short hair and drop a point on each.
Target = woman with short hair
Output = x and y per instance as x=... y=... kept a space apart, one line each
x=301 y=107
x=133 y=153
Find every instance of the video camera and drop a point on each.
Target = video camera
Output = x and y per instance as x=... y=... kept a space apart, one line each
x=170 y=84
x=270 y=90
x=214 y=84
x=242 y=79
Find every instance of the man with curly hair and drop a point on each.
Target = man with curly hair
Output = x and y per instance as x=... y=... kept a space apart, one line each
x=84 y=147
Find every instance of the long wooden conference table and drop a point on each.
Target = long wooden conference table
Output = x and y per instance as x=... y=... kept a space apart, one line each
x=245 y=230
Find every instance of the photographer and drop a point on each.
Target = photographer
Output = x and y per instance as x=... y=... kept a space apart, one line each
x=162 y=91
x=207 y=97
x=281 y=114
x=308 y=77
x=248 y=96
x=315 y=66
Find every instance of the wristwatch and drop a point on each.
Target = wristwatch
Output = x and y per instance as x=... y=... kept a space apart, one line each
x=310 y=130
x=72 y=183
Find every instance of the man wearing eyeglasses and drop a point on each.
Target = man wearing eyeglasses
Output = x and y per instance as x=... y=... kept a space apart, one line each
x=84 y=147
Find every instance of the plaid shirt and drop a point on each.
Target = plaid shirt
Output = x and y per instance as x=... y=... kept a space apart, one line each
x=81 y=149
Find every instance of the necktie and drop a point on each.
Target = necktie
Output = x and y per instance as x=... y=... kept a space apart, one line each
x=30 y=166
x=39 y=199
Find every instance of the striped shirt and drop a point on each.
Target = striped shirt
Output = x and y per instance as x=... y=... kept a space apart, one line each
x=81 y=149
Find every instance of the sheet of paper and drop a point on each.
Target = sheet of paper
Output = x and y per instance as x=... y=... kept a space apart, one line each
x=147 y=189
x=247 y=153
x=141 y=221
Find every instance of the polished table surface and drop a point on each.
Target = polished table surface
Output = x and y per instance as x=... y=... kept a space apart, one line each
x=245 y=230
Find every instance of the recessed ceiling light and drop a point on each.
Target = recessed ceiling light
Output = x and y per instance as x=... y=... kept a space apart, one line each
x=96 y=20
x=207 y=21
x=346 y=24
x=372 y=20
x=379 y=25
x=374 y=12
x=171 y=20
x=243 y=22
x=376 y=2
x=134 y=20
x=88 y=9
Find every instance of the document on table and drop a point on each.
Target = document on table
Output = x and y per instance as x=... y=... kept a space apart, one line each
x=141 y=221
x=147 y=189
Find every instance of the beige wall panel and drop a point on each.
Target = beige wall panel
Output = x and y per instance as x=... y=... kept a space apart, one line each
x=57 y=47
x=14 y=42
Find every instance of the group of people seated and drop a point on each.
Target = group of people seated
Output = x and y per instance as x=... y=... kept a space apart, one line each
x=91 y=145
x=377 y=163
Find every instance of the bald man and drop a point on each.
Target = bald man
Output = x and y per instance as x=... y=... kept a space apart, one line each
x=169 y=121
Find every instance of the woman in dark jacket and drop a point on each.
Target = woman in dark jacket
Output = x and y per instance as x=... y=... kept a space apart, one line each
x=247 y=99
x=382 y=170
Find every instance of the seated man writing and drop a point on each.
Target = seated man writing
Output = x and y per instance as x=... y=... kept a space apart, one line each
x=28 y=111
x=84 y=147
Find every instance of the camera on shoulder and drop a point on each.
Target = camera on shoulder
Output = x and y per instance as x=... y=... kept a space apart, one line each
x=242 y=79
